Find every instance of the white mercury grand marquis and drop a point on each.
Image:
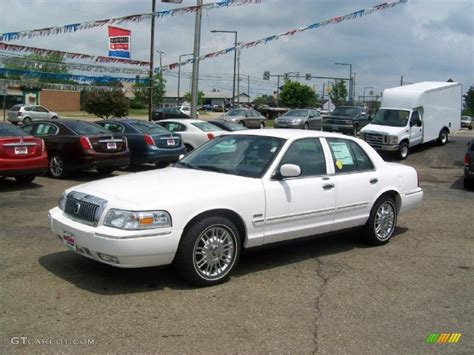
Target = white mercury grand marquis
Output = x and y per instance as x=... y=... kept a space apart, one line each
x=237 y=191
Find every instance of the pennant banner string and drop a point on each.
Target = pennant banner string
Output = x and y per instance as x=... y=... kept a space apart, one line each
x=57 y=86
x=332 y=21
x=74 y=27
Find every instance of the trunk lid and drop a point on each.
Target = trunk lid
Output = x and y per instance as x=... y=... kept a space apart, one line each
x=167 y=140
x=20 y=147
x=108 y=143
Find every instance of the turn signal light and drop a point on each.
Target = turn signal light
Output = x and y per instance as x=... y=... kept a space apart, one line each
x=210 y=136
x=467 y=160
x=86 y=143
x=149 y=140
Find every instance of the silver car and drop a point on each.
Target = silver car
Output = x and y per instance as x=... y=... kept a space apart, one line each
x=466 y=121
x=27 y=113
x=247 y=117
x=299 y=118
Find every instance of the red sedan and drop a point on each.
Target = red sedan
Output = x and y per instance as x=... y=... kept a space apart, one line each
x=21 y=156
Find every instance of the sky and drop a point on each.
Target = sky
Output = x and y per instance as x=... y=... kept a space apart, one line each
x=422 y=40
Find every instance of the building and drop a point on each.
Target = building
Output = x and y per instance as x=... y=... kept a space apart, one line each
x=212 y=98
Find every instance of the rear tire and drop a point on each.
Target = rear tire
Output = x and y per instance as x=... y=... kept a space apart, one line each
x=443 y=137
x=189 y=148
x=208 y=252
x=54 y=117
x=382 y=221
x=25 y=179
x=262 y=125
x=403 y=151
x=242 y=123
x=26 y=120
x=468 y=183
x=57 y=167
x=306 y=126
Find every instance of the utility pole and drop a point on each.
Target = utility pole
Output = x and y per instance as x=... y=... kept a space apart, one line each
x=401 y=80
x=152 y=50
x=248 y=89
x=324 y=89
x=238 y=76
x=353 y=84
x=179 y=75
x=197 y=45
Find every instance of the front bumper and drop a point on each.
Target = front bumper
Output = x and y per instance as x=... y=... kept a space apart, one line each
x=466 y=124
x=129 y=249
x=338 y=128
x=385 y=147
x=163 y=155
x=29 y=166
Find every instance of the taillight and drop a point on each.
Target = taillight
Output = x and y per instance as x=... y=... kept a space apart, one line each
x=210 y=136
x=43 y=147
x=86 y=143
x=467 y=160
x=149 y=140
x=125 y=141
x=19 y=113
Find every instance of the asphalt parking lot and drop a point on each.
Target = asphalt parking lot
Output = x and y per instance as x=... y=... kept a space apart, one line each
x=327 y=295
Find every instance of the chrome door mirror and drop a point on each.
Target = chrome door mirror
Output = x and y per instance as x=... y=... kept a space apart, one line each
x=289 y=171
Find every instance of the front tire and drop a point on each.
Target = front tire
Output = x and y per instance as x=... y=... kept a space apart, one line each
x=403 y=151
x=443 y=137
x=57 y=167
x=306 y=126
x=382 y=221
x=208 y=252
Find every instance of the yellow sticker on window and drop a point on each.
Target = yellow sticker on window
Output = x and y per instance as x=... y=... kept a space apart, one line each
x=339 y=164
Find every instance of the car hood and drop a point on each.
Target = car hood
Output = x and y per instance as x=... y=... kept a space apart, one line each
x=169 y=184
x=388 y=130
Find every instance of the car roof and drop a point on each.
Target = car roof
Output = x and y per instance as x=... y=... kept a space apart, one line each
x=291 y=133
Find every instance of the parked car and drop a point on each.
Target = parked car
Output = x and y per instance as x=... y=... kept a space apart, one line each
x=247 y=117
x=299 y=118
x=147 y=141
x=469 y=165
x=186 y=109
x=227 y=126
x=241 y=190
x=27 y=113
x=466 y=122
x=346 y=119
x=166 y=113
x=21 y=155
x=193 y=132
x=78 y=145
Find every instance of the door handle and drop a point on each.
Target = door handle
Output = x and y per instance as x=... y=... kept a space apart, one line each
x=374 y=181
x=328 y=186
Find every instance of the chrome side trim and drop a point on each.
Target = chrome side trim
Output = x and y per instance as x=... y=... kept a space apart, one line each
x=414 y=192
x=111 y=140
x=132 y=236
x=19 y=144
x=353 y=205
x=294 y=216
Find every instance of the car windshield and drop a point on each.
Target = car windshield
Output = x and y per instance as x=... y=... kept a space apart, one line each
x=15 y=108
x=8 y=130
x=394 y=118
x=466 y=118
x=345 y=111
x=206 y=127
x=236 y=112
x=86 y=128
x=241 y=155
x=234 y=126
x=296 y=113
x=148 y=127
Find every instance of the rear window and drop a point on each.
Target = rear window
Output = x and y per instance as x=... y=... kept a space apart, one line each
x=15 y=108
x=85 y=128
x=7 y=130
x=147 y=127
x=206 y=127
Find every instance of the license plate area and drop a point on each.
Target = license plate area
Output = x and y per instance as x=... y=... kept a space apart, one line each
x=69 y=241
x=21 y=150
x=111 y=145
x=170 y=142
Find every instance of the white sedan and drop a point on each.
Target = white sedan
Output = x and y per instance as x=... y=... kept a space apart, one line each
x=193 y=132
x=241 y=190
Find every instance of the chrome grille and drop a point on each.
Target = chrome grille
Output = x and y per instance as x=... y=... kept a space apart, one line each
x=374 y=138
x=84 y=208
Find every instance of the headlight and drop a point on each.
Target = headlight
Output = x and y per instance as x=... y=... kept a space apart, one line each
x=392 y=139
x=132 y=220
x=62 y=201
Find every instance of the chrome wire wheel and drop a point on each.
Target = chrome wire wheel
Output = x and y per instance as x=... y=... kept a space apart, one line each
x=215 y=252
x=56 y=166
x=385 y=221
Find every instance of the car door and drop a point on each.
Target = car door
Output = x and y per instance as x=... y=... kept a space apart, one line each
x=42 y=112
x=301 y=206
x=416 y=128
x=314 y=120
x=356 y=182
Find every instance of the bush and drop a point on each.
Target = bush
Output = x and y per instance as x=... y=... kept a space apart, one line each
x=105 y=104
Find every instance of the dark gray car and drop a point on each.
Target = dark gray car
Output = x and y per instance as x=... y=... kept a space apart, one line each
x=346 y=119
x=469 y=166
x=299 y=118
x=247 y=117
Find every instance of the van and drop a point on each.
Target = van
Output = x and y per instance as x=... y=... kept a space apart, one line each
x=415 y=114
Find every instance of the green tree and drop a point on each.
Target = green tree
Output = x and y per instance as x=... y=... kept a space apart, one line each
x=264 y=100
x=338 y=93
x=187 y=97
x=469 y=101
x=296 y=95
x=142 y=94
x=159 y=90
x=105 y=104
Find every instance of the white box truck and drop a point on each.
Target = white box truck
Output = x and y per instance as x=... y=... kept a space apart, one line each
x=415 y=114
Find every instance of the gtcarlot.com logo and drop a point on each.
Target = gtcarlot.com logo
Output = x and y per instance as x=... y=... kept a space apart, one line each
x=443 y=338
x=50 y=341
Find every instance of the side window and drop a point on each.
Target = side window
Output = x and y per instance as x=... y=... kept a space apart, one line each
x=29 y=129
x=174 y=126
x=308 y=154
x=45 y=129
x=113 y=127
x=415 y=119
x=348 y=156
x=41 y=109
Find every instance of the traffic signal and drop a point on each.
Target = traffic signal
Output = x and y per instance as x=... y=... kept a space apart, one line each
x=266 y=75
x=308 y=76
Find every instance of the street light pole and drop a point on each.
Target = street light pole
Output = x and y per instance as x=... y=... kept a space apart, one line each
x=235 y=60
x=152 y=46
x=366 y=87
x=197 y=45
x=350 y=78
x=179 y=74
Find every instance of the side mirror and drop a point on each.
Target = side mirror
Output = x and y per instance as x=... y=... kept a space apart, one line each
x=288 y=171
x=181 y=157
x=412 y=123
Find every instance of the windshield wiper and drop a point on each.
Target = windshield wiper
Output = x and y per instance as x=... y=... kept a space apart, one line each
x=212 y=168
